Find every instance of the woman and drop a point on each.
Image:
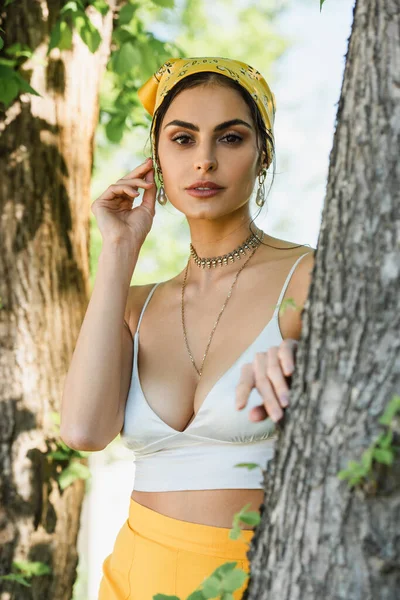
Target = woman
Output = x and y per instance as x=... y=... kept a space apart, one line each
x=214 y=359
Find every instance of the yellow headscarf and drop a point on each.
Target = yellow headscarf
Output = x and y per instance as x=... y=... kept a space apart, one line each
x=153 y=92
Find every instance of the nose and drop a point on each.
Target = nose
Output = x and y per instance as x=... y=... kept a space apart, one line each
x=206 y=164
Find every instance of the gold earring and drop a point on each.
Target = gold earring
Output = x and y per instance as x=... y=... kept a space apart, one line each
x=260 y=198
x=161 y=195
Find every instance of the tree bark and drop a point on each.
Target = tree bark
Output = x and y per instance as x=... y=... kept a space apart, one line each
x=317 y=537
x=46 y=156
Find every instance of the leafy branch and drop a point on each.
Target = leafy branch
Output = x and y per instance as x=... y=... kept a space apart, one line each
x=381 y=451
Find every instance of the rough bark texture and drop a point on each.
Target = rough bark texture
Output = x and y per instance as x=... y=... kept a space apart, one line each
x=317 y=538
x=46 y=152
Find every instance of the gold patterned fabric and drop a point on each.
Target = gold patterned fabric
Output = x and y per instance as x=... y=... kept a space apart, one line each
x=155 y=89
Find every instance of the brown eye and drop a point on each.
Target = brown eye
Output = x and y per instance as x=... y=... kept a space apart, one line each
x=181 y=137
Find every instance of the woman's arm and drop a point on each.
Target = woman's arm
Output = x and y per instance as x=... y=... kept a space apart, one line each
x=92 y=405
x=269 y=369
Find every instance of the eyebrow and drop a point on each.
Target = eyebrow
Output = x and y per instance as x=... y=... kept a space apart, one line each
x=219 y=127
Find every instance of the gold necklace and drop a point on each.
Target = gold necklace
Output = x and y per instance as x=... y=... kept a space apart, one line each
x=199 y=372
x=251 y=242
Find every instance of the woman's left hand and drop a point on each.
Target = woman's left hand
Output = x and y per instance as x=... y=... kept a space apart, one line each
x=267 y=373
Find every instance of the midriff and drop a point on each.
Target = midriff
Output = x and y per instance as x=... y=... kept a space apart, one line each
x=207 y=507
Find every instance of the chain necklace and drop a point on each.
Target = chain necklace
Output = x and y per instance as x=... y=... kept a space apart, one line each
x=251 y=242
x=199 y=372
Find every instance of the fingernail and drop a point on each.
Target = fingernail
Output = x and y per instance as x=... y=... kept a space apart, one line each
x=276 y=415
x=289 y=368
x=284 y=399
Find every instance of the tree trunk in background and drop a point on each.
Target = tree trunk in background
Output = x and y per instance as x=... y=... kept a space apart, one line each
x=46 y=154
x=319 y=539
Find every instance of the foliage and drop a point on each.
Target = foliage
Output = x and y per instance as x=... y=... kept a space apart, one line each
x=381 y=451
x=22 y=570
x=66 y=460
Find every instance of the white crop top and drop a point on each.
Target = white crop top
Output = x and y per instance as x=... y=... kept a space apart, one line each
x=204 y=455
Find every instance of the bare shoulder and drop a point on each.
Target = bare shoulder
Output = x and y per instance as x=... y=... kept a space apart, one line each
x=137 y=295
x=299 y=284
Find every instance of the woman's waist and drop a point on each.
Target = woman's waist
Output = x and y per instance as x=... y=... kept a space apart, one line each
x=215 y=507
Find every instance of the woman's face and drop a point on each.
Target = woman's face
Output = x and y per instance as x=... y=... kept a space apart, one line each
x=204 y=146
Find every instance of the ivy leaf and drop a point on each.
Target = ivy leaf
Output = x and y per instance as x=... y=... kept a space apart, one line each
x=165 y=597
x=251 y=518
x=233 y=580
x=383 y=456
x=211 y=587
x=197 y=595
x=390 y=411
x=165 y=3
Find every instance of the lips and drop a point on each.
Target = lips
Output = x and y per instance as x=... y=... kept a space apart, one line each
x=208 y=185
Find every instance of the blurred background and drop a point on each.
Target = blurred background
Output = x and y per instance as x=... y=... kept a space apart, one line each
x=301 y=53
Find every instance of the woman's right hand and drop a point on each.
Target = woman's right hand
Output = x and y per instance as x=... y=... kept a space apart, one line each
x=116 y=219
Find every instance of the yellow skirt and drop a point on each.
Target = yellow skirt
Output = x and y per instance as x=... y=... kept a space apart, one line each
x=154 y=554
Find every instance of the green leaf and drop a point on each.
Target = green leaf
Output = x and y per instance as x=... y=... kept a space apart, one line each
x=88 y=32
x=30 y=569
x=251 y=518
x=24 y=85
x=383 y=456
x=8 y=2
x=9 y=87
x=211 y=587
x=126 y=13
x=165 y=3
x=366 y=459
x=391 y=410
x=72 y=6
x=196 y=595
x=59 y=455
x=227 y=596
x=115 y=128
x=224 y=569
x=16 y=578
x=125 y=58
x=385 y=441
x=75 y=470
x=65 y=41
x=165 y=597
x=248 y=465
x=1 y=43
x=55 y=36
x=19 y=50
x=234 y=580
x=235 y=532
x=101 y=6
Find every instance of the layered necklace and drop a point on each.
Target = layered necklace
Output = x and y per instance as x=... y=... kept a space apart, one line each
x=250 y=244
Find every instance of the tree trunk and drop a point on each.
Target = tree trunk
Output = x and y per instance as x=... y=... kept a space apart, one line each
x=319 y=538
x=46 y=155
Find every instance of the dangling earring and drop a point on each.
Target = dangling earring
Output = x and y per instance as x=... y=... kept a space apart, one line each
x=161 y=195
x=260 y=198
